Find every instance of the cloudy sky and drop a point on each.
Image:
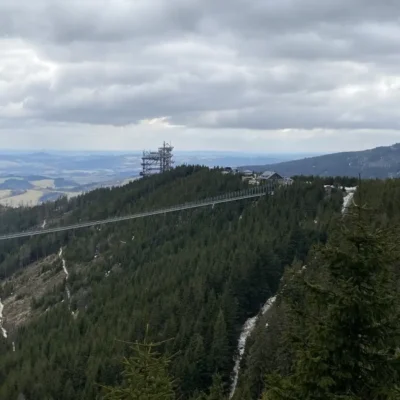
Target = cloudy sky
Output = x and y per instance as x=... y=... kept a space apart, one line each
x=260 y=75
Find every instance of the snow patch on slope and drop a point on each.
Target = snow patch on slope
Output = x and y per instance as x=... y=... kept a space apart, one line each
x=348 y=198
x=64 y=265
x=3 y=331
x=268 y=305
x=247 y=330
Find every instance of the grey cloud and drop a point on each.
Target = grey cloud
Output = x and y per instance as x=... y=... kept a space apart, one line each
x=101 y=21
x=260 y=65
x=271 y=117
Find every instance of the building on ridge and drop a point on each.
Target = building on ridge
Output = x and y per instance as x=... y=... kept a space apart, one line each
x=270 y=176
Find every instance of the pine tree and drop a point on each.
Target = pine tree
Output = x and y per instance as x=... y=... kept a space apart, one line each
x=217 y=389
x=220 y=348
x=145 y=376
x=69 y=392
x=348 y=347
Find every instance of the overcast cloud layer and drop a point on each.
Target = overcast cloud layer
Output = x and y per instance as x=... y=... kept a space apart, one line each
x=287 y=75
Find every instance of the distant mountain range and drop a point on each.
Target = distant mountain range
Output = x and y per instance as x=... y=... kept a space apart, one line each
x=380 y=162
x=85 y=168
x=14 y=182
x=31 y=190
x=31 y=178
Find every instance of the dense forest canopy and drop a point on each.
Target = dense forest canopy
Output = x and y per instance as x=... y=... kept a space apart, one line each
x=187 y=281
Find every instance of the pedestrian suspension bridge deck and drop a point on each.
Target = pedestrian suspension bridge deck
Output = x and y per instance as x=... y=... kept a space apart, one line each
x=211 y=201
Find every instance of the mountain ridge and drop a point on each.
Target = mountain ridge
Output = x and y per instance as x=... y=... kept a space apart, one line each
x=379 y=162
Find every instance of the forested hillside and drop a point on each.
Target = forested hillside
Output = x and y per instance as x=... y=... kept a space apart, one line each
x=193 y=278
x=333 y=332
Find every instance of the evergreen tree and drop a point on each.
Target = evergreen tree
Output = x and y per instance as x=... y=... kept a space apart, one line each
x=220 y=354
x=145 y=376
x=217 y=389
x=347 y=345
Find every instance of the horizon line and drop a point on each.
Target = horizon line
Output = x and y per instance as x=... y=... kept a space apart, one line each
x=49 y=151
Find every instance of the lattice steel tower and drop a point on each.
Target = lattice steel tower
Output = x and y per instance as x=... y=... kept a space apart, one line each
x=155 y=162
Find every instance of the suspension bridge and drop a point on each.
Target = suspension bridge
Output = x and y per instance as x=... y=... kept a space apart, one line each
x=254 y=192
